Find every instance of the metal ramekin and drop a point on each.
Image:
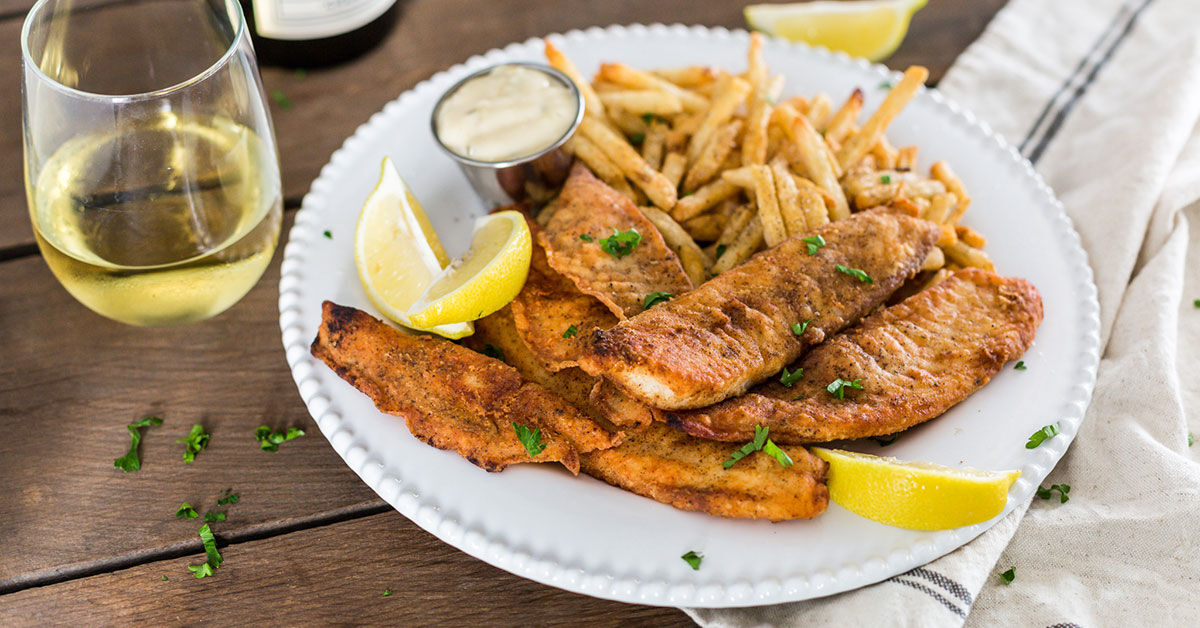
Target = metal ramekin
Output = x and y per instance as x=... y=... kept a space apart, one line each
x=503 y=182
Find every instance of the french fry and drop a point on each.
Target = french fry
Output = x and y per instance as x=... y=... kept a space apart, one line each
x=672 y=168
x=543 y=217
x=819 y=110
x=642 y=101
x=626 y=122
x=676 y=142
x=941 y=171
x=654 y=143
x=767 y=200
x=935 y=260
x=702 y=199
x=747 y=242
x=559 y=61
x=624 y=75
x=812 y=204
x=878 y=194
x=901 y=93
x=595 y=159
x=923 y=188
x=688 y=123
x=690 y=76
x=730 y=93
x=884 y=152
x=906 y=206
x=947 y=236
x=713 y=157
x=961 y=253
x=741 y=216
x=758 y=107
x=816 y=164
x=938 y=277
x=695 y=262
x=775 y=88
x=906 y=158
x=705 y=227
x=843 y=120
x=657 y=187
x=742 y=177
x=789 y=199
x=970 y=237
x=776 y=140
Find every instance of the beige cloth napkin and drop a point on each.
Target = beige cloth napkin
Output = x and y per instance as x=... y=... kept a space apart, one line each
x=1104 y=97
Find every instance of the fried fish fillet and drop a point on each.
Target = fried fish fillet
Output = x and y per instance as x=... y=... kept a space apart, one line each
x=552 y=316
x=609 y=407
x=720 y=339
x=450 y=396
x=914 y=361
x=589 y=208
x=671 y=467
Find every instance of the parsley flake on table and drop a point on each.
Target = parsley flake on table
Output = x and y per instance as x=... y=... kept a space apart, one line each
x=655 y=298
x=130 y=461
x=885 y=179
x=1196 y=303
x=773 y=450
x=1047 y=493
x=800 y=328
x=1038 y=437
x=281 y=99
x=328 y=234
x=186 y=511
x=194 y=442
x=228 y=497
x=621 y=243
x=210 y=550
x=531 y=439
x=814 y=243
x=787 y=379
x=1020 y=365
x=838 y=387
x=586 y=238
x=165 y=578
x=1191 y=439
x=760 y=439
x=213 y=517
x=1009 y=576
x=270 y=439
x=693 y=559
x=854 y=272
x=492 y=351
x=386 y=593
x=571 y=331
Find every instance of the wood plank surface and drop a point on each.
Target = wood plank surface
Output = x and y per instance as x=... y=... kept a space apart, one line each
x=316 y=577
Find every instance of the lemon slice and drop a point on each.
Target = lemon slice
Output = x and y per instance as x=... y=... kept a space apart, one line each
x=483 y=280
x=914 y=495
x=397 y=252
x=871 y=29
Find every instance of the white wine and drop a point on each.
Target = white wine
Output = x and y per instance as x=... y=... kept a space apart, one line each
x=159 y=221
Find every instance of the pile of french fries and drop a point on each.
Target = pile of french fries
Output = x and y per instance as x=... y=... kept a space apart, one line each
x=716 y=158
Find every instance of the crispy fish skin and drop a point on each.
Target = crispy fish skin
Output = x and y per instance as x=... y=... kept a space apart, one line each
x=916 y=359
x=589 y=207
x=734 y=331
x=452 y=397
x=671 y=467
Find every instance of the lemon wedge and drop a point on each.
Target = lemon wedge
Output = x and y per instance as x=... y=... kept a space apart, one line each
x=871 y=29
x=484 y=279
x=914 y=495
x=397 y=252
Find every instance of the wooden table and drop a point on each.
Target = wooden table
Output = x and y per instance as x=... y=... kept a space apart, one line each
x=83 y=543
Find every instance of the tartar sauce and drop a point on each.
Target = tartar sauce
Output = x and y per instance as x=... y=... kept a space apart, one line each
x=511 y=112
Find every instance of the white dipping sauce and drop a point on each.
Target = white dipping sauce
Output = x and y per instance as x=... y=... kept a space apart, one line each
x=511 y=112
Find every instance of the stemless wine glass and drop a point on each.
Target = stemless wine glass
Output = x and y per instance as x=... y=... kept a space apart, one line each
x=150 y=164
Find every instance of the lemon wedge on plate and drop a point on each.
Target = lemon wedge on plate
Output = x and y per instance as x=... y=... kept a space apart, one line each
x=397 y=252
x=483 y=280
x=914 y=495
x=871 y=29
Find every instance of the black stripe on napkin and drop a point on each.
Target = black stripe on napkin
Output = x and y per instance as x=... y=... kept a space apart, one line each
x=958 y=590
x=931 y=593
x=1055 y=112
x=1066 y=625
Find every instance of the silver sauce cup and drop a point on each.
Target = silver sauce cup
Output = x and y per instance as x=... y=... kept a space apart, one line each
x=504 y=182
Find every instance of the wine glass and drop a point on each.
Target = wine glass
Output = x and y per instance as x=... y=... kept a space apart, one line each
x=150 y=163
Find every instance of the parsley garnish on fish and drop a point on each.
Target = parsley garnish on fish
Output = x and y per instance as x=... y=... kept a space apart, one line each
x=814 y=243
x=1047 y=493
x=1038 y=437
x=800 y=328
x=270 y=439
x=621 y=243
x=571 y=331
x=130 y=461
x=654 y=298
x=773 y=450
x=854 y=272
x=787 y=379
x=586 y=238
x=194 y=442
x=760 y=439
x=838 y=387
x=693 y=559
x=531 y=439
x=887 y=178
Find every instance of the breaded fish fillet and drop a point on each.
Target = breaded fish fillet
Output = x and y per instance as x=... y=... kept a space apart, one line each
x=590 y=208
x=671 y=467
x=450 y=396
x=914 y=361
x=736 y=330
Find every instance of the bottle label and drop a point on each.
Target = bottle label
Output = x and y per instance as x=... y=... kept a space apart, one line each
x=314 y=19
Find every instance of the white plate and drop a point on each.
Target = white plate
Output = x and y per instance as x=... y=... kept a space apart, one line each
x=582 y=535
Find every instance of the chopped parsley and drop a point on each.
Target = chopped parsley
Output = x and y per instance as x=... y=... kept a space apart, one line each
x=884 y=441
x=854 y=272
x=492 y=351
x=637 y=138
x=301 y=73
x=800 y=328
x=586 y=238
x=1195 y=302
x=649 y=118
x=194 y=442
x=328 y=234
x=270 y=439
x=1191 y=439
x=787 y=379
x=228 y=497
x=1038 y=437
x=838 y=387
x=165 y=578
x=693 y=559
x=210 y=549
x=887 y=178
x=721 y=250
x=213 y=517
x=886 y=85
x=571 y=331
x=386 y=592
x=655 y=298
x=1009 y=575
x=186 y=512
x=773 y=450
x=814 y=243
x=281 y=99
x=621 y=243
x=531 y=439
x=1020 y=365
x=1047 y=493
x=130 y=461
x=760 y=439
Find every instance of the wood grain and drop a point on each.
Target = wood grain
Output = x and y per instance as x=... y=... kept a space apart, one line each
x=335 y=575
